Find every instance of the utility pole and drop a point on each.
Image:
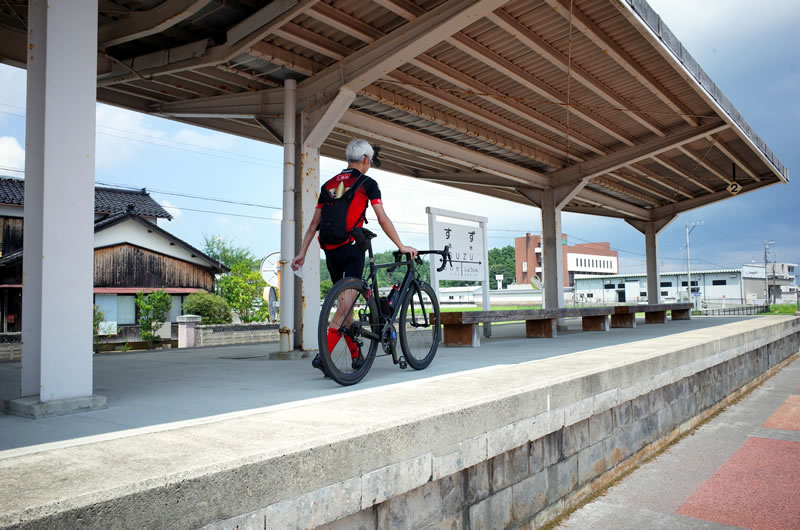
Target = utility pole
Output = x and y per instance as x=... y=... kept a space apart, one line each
x=688 y=271
x=766 y=276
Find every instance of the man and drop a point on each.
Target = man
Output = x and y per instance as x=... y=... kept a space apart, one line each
x=345 y=258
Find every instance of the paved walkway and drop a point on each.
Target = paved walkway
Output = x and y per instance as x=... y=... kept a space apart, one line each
x=742 y=469
x=148 y=389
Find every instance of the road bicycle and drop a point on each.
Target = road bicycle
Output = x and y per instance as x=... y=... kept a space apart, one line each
x=355 y=320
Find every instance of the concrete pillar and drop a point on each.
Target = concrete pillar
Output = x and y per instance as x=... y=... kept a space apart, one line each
x=59 y=202
x=552 y=266
x=653 y=276
x=651 y=229
x=187 y=327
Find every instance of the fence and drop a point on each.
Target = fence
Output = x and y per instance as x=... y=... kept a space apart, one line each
x=192 y=335
x=733 y=310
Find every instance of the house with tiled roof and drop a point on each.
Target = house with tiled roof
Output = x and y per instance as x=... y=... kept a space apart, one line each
x=132 y=253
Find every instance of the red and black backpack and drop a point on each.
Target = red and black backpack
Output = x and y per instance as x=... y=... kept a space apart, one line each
x=333 y=229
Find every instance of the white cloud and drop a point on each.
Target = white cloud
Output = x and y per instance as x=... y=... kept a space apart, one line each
x=209 y=139
x=172 y=209
x=12 y=155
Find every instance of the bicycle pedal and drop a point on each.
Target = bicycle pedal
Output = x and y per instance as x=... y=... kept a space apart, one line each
x=403 y=364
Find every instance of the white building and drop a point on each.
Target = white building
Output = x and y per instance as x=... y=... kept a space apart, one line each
x=714 y=288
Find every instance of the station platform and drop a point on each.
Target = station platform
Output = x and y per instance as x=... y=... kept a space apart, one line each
x=153 y=390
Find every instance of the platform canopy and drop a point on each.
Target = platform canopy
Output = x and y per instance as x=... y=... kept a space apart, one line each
x=503 y=98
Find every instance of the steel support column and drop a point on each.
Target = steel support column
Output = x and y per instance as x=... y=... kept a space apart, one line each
x=59 y=201
x=288 y=218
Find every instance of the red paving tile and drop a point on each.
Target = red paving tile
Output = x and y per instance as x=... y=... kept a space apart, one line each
x=787 y=417
x=758 y=487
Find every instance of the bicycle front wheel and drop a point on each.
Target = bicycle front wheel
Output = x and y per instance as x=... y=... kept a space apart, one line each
x=349 y=331
x=419 y=325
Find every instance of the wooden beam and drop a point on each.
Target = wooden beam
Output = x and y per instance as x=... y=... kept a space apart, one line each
x=512 y=71
x=417 y=86
x=524 y=35
x=510 y=143
x=644 y=172
x=738 y=160
x=404 y=8
x=285 y=59
x=345 y=23
x=701 y=160
x=631 y=155
x=680 y=171
x=143 y=23
x=615 y=52
x=314 y=42
x=392 y=134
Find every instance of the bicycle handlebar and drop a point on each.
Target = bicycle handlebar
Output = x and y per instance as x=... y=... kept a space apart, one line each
x=445 y=254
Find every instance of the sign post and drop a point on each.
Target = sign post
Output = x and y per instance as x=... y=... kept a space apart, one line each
x=469 y=250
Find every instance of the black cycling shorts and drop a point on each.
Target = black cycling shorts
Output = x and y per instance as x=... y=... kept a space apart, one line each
x=347 y=260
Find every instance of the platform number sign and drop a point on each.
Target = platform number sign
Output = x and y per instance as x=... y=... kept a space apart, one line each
x=466 y=250
x=734 y=188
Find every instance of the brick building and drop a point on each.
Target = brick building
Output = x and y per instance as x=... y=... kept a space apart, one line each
x=584 y=258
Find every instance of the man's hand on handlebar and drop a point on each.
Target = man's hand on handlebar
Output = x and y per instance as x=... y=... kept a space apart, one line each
x=405 y=249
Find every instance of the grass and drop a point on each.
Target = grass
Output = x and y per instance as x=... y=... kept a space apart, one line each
x=782 y=309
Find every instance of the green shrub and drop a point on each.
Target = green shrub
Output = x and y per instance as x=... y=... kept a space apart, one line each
x=153 y=313
x=213 y=308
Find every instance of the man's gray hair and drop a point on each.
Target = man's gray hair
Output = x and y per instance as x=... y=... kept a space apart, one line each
x=357 y=149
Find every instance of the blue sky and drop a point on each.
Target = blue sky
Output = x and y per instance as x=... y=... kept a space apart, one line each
x=748 y=48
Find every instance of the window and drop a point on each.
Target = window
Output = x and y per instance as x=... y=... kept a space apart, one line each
x=620 y=286
x=590 y=295
x=609 y=286
x=719 y=282
x=643 y=293
x=664 y=293
x=126 y=310
x=666 y=284
x=694 y=284
x=449 y=297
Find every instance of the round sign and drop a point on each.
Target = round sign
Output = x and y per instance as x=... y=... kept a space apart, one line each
x=270 y=267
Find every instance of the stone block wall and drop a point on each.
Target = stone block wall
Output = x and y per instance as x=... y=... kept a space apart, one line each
x=536 y=469
x=219 y=335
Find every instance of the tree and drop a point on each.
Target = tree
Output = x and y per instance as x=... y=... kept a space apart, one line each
x=243 y=289
x=325 y=286
x=213 y=308
x=98 y=317
x=224 y=251
x=503 y=261
x=153 y=312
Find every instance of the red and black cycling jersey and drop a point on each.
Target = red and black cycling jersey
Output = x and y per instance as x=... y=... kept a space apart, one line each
x=367 y=193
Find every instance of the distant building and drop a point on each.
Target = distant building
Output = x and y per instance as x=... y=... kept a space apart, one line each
x=710 y=288
x=781 y=279
x=584 y=258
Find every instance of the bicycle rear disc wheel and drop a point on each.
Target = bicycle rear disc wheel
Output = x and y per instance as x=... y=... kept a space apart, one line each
x=420 y=327
x=349 y=311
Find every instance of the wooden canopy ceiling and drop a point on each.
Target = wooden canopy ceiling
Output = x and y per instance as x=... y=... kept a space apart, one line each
x=503 y=98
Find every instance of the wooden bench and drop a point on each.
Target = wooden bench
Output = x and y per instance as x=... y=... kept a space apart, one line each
x=462 y=328
x=624 y=316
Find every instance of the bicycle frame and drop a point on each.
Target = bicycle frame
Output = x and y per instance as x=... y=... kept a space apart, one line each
x=410 y=278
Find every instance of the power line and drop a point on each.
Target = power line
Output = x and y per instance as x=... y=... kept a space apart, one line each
x=200 y=197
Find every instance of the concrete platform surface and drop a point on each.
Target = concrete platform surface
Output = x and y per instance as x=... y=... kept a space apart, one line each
x=146 y=390
x=740 y=470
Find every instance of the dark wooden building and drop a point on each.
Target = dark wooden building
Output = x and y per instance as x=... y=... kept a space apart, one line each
x=132 y=254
